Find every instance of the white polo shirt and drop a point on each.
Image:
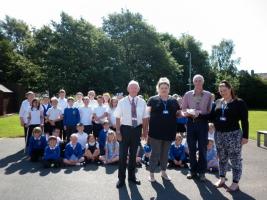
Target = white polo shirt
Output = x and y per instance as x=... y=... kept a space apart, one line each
x=78 y=104
x=99 y=111
x=124 y=108
x=54 y=113
x=93 y=103
x=24 y=110
x=112 y=116
x=86 y=114
x=82 y=139
x=62 y=104
x=35 y=115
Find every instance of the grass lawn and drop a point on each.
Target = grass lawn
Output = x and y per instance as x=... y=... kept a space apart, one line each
x=257 y=121
x=10 y=126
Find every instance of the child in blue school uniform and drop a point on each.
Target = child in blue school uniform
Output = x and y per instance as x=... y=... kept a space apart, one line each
x=46 y=105
x=147 y=154
x=212 y=158
x=73 y=152
x=177 y=156
x=37 y=145
x=71 y=118
x=52 y=153
x=102 y=137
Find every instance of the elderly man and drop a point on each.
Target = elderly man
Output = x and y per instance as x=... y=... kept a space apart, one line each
x=131 y=117
x=197 y=106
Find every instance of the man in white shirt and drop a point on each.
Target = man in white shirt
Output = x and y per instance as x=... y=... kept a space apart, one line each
x=24 y=111
x=86 y=115
x=131 y=117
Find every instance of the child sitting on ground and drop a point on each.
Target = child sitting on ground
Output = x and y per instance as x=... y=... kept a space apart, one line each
x=37 y=144
x=91 y=150
x=147 y=154
x=52 y=153
x=111 y=150
x=177 y=157
x=212 y=158
x=73 y=152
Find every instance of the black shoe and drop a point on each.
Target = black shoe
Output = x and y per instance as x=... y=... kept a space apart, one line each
x=135 y=181
x=191 y=175
x=120 y=184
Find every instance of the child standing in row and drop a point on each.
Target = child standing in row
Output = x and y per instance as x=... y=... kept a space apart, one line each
x=82 y=136
x=86 y=115
x=100 y=114
x=103 y=137
x=54 y=116
x=71 y=118
x=46 y=105
x=35 y=116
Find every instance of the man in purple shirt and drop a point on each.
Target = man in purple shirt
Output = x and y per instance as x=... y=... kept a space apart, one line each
x=197 y=106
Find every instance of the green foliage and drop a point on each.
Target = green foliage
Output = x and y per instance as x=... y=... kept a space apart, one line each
x=75 y=55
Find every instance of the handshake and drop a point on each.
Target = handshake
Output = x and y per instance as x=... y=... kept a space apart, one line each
x=193 y=113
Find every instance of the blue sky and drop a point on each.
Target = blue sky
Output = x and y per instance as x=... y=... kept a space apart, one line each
x=209 y=21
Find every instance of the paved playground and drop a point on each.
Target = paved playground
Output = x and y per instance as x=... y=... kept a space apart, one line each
x=21 y=180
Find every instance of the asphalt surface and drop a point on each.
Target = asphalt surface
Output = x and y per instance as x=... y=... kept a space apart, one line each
x=20 y=179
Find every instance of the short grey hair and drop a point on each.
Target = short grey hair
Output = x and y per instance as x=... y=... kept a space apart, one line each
x=133 y=82
x=163 y=80
x=198 y=76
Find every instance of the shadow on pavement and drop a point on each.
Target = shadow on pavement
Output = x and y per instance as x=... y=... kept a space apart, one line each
x=166 y=191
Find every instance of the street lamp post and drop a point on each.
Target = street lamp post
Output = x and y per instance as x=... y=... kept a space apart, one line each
x=188 y=55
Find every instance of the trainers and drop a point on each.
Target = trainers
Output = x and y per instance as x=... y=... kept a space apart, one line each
x=165 y=176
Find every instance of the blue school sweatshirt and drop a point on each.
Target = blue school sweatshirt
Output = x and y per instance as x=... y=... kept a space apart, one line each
x=35 y=144
x=177 y=152
x=77 y=151
x=102 y=137
x=52 y=154
x=71 y=116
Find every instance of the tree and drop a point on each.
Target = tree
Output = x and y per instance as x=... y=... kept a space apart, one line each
x=142 y=55
x=199 y=57
x=223 y=64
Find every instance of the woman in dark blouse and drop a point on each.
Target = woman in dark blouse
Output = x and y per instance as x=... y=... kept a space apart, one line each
x=229 y=138
x=162 y=127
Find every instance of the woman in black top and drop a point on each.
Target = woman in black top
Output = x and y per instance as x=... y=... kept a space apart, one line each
x=229 y=138
x=162 y=127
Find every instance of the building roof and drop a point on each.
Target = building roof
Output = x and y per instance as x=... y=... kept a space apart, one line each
x=4 y=89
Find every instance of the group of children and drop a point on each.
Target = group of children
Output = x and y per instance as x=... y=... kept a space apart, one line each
x=82 y=131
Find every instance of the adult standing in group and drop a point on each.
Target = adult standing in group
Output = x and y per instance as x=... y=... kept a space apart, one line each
x=196 y=106
x=163 y=110
x=24 y=111
x=229 y=138
x=131 y=118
